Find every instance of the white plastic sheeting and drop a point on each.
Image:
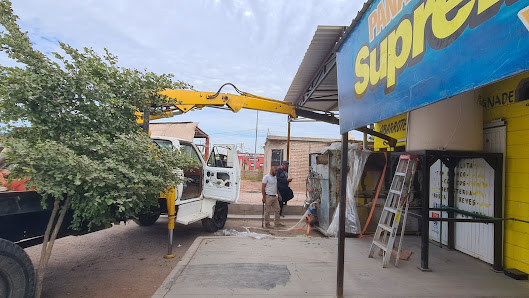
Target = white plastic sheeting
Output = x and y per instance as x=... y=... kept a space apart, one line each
x=357 y=159
x=233 y=232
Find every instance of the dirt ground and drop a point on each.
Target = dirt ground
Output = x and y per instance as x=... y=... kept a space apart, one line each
x=251 y=194
x=125 y=260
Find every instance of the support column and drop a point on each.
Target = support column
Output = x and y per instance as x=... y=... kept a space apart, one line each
x=451 y=203
x=288 y=140
x=425 y=215
x=341 y=221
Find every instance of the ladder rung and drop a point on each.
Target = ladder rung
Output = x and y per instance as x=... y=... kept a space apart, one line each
x=393 y=210
x=380 y=244
x=385 y=227
x=397 y=192
x=403 y=174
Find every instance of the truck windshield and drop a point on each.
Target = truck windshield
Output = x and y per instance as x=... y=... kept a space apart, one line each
x=164 y=144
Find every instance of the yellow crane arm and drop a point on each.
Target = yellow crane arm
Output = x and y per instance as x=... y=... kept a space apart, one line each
x=185 y=100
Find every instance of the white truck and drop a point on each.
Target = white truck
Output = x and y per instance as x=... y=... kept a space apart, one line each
x=209 y=188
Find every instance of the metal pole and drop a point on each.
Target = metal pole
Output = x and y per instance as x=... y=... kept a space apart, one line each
x=288 y=140
x=451 y=203
x=364 y=143
x=146 y=118
x=255 y=147
x=341 y=226
x=498 y=212
x=425 y=224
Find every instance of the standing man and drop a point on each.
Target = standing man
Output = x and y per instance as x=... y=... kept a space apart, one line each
x=283 y=185
x=270 y=198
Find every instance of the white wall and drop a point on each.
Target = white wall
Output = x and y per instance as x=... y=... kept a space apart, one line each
x=455 y=123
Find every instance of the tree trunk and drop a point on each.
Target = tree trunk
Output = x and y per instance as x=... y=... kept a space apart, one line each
x=47 y=244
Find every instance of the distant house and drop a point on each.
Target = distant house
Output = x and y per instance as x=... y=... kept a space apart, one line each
x=251 y=161
x=276 y=151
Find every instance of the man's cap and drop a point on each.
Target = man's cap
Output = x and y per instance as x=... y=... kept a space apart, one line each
x=285 y=163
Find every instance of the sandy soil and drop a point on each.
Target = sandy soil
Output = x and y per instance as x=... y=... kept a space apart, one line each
x=251 y=194
x=125 y=260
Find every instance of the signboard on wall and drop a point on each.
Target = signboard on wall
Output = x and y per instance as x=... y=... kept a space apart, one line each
x=394 y=127
x=474 y=192
x=406 y=54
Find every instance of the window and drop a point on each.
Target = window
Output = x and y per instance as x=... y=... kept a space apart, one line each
x=277 y=157
x=164 y=144
x=188 y=150
x=522 y=91
x=220 y=157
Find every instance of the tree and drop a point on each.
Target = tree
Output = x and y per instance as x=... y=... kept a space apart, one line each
x=71 y=128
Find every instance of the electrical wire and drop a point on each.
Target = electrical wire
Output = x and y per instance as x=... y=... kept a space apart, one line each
x=457 y=125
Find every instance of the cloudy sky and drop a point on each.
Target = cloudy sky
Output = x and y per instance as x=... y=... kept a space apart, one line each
x=256 y=45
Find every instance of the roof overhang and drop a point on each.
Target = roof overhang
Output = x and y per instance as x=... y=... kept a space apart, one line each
x=315 y=85
x=314 y=89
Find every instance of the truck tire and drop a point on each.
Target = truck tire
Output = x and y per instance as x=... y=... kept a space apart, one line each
x=147 y=219
x=218 y=221
x=17 y=275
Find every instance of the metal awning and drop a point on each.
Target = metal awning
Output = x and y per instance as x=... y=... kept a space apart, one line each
x=314 y=89
x=315 y=85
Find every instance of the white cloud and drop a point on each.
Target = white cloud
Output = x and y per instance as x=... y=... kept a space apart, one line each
x=257 y=45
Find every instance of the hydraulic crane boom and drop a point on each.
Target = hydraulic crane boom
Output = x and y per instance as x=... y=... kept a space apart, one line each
x=185 y=100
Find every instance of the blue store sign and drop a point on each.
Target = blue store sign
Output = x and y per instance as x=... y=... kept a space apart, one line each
x=406 y=54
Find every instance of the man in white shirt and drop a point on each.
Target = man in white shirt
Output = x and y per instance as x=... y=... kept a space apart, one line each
x=270 y=198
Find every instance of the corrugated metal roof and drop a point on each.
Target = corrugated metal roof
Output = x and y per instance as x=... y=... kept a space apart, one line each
x=355 y=21
x=326 y=41
x=320 y=49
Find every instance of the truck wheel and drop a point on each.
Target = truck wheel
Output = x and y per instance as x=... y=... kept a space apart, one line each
x=218 y=221
x=17 y=276
x=147 y=219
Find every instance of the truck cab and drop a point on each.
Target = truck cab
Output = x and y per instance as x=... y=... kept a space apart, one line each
x=209 y=187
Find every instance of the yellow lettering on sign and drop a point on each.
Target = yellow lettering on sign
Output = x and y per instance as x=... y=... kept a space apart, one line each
x=376 y=75
x=406 y=42
x=420 y=16
x=362 y=71
x=397 y=60
x=441 y=26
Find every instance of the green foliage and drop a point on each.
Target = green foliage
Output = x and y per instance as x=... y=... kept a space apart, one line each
x=71 y=127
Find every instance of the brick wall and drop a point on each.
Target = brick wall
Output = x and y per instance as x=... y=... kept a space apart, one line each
x=299 y=158
x=299 y=162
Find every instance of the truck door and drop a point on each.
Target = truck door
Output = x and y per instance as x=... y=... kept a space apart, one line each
x=222 y=176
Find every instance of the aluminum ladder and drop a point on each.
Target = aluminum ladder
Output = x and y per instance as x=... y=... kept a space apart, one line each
x=396 y=200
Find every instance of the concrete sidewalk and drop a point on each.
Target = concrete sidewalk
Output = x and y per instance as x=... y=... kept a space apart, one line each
x=237 y=266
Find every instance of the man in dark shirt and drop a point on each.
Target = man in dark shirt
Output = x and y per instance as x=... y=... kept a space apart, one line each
x=282 y=185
